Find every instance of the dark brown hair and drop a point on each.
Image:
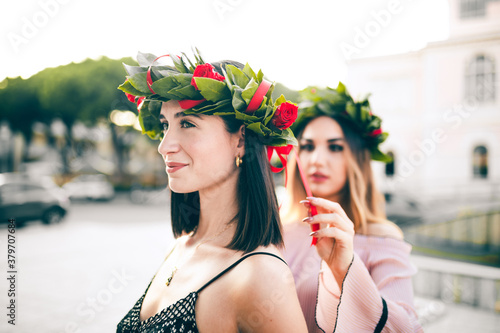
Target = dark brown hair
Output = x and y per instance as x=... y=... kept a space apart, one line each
x=258 y=222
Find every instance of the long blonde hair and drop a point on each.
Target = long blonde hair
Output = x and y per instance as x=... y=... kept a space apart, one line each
x=360 y=199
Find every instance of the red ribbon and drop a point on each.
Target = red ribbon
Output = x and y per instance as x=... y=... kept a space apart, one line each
x=258 y=97
x=139 y=103
x=190 y=103
x=282 y=153
x=313 y=211
x=149 y=80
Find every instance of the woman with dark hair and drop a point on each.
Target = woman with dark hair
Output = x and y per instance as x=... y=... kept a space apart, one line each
x=224 y=272
x=358 y=277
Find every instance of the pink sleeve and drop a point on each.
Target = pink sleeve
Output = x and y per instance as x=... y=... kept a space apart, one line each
x=359 y=307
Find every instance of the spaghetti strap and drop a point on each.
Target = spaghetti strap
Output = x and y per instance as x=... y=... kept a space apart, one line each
x=236 y=263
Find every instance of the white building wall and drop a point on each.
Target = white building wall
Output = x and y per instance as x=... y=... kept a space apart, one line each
x=433 y=130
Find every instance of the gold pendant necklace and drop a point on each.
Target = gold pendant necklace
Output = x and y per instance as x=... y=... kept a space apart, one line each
x=175 y=269
x=171 y=276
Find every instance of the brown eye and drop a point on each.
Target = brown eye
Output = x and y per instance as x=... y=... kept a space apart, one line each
x=306 y=147
x=335 y=148
x=186 y=124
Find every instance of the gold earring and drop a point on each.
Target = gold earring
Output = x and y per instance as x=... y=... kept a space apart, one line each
x=239 y=161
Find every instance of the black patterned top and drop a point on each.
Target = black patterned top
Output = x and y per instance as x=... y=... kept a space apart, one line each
x=178 y=317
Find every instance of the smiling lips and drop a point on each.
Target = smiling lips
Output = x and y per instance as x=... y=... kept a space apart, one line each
x=318 y=177
x=174 y=166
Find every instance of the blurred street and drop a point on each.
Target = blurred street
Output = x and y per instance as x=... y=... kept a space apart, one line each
x=84 y=273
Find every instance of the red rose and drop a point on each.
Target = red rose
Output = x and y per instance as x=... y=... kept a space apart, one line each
x=206 y=70
x=285 y=115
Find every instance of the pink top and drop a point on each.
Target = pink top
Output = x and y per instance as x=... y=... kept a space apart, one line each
x=381 y=268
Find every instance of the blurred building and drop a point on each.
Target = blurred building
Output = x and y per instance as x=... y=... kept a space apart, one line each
x=441 y=106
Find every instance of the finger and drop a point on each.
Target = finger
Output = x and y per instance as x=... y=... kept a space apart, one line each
x=333 y=219
x=332 y=232
x=329 y=205
x=305 y=203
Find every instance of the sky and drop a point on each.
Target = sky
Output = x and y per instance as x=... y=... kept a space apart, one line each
x=297 y=43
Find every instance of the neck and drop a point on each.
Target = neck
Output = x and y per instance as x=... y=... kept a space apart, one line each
x=218 y=207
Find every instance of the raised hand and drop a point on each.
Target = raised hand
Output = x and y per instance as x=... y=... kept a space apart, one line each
x=335 y=236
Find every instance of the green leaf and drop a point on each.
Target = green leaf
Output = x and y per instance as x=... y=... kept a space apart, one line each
x=221 y=107
x=260 y=76
x=228 y=82
x=163 y=86
x=247 y=118
x=351 y=110
x=365 y=113
x=188 y=92
x=341 y=88
x=256 y=127
x=269 y=114
x=374 y=124
x=212 y=90
x=179 y=64
x=382 y=137
x=197 y=56
x=280 y=100
x=139 y=82
x=162 y=71
x=238 y=101
x=129 y=89
x=249 y=71
x=149 y=119
x=131 y=70
x=145 y=59
x=183 y=79
x=377 y=155
x=237 y=76
x=249 y=91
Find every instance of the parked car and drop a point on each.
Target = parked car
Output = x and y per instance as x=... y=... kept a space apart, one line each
x=90 y=187
x=24 y=199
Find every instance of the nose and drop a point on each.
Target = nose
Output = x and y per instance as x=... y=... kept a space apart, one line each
x=168 y=144
x=318 y=156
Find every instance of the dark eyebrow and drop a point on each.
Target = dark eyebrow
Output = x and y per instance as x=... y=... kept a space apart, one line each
x=329 y=140
x=180 y=114
x=183 y=114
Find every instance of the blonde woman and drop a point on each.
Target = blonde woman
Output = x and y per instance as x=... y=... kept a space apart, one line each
x=358 y=276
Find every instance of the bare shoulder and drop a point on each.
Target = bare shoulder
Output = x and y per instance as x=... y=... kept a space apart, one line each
x=264 y=287
x=260 y=269
x=387 y=229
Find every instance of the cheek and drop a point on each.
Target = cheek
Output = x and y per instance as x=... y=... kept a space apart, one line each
x=211 y=158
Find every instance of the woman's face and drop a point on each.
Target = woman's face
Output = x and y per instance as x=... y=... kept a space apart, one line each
x=198 y=151
x=322 y=157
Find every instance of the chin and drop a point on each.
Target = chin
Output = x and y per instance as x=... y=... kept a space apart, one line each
x=323 y=191
x=178 y=186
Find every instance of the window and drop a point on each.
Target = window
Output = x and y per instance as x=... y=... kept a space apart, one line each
x=389 y=167
x=480 y=79
x=472 y=8
x=480 y=162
